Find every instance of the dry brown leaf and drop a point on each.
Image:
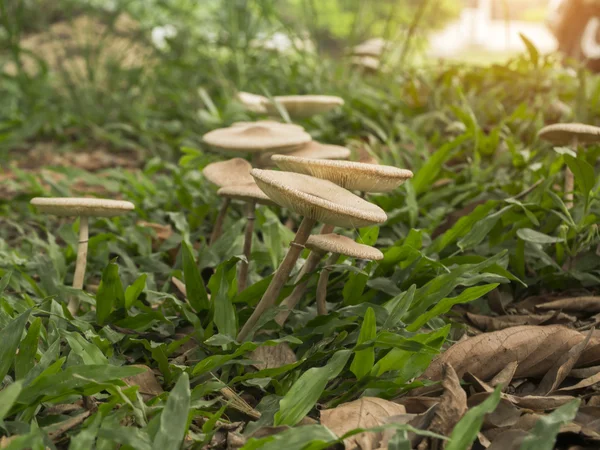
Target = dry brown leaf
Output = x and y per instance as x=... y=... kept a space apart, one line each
x=180 y=285
x=366 y=412
x=536 y=349
x=536 y=403
x=560 y=370
x=588 y=382
x=505 y=376
x=59 y=429
x=476 y=384
x=487 y=323
x=508 y=440
x=149 y=386
x=452 y=406
x=575 y=304
x=273 y=356
x=417 y=405
x=505 y=415
x=585 y=372
x=162 y=232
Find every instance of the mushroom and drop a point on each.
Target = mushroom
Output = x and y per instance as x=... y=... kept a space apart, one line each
x=253 y=102
x=350 y=175
x=84 y=208
x=251 y=194
x=257 y=139
x=303 y=106
x=314 y=150
x=572 y=134
x=372 y=47
x=269 y=123
x=226 y=173
x=367 y=63
x=317 y=201
x=336 y=245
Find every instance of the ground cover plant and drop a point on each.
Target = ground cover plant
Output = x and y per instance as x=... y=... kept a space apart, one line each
x=477 y=328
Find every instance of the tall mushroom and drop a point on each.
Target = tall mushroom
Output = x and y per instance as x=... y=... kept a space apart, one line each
x=84 y=208
x=314 y=150
x=573 y=134
x=337 y=245
x=350 y=175
x=303 y=106
x=317 y=201
x=257 y=139
x=251 y=194
x=232 y=172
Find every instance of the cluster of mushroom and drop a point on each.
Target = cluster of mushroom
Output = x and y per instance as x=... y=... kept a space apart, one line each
x=367 y=56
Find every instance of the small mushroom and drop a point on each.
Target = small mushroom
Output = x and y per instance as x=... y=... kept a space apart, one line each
x=337 y=245
x=257 y=139
x=270 y=123
x=572 y=134
x=350 y=175
x=368 y=64
x=226 y=173
x=253 y=102
x=317 y=201
x=83 y=208
x=303 y=106
x=314 y=150
x=251 y=194
x=372 y=47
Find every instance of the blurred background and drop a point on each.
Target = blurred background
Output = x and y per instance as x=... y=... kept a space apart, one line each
x=156 y=74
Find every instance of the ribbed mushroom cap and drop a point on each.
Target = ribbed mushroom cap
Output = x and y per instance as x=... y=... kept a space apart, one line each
x=74 y=206
x=256 y=138
x=270 y=123
x=348 y=174
x=228 y=173
x=305 y=105
x=372 y=47
x=253 y=102
x=318 y=199
x=249 y=192
x=566 y=133
x=335 y=243
x=315 y=150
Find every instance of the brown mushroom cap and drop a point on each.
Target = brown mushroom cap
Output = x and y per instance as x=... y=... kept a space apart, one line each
x=249 y=192
x=567 y=133
x=315 y=150
x=256 y=138
x=270 y=123
x=89 y=207
x=305 y=105
x=253 y=102
x=348 y=174
x=318 y=199
x=228 y=173
x=335 y=243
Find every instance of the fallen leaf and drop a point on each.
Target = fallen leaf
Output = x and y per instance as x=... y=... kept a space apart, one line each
x=487 y=323
x=273 y=356
x=180 y=285
x=366 y=412
x=575 y=304
x=417 y=405
x=585 y=372
x=149 y=386
x=587 y=382
x=508 y=440
x=534 y=348
x=505 y=415
x=505 y=376
x=537 y=403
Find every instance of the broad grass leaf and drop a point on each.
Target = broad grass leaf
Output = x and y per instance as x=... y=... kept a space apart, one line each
x=317 y=436
x=252 y=294
x=10 y=337
x=583 y=172
x=364 y=359
x=128 y=437
x=543 y=435
x=84 y=440
x=223 y=312
x=133 y=292
x=464 y=225
x=25 y=359
x=174 y=417
x=446 y=304
x=306 y=391
x=368 y=236
x=534 y=54
x=8 y=397
x=196 y=292
x=4 y=281
x=466 y=430
x=355 y=286
x=89 y=353
x=398 y=306
x=481 y=229
x=535 y=237
x=110 y=292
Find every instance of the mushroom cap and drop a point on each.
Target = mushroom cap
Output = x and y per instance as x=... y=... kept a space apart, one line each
x=335 y=243
x=248 y=192
x=82 y=206
x=318 y=199
x=305 y=105
x=315 y=150
x=348 y=174
x=256 y=138
x=566 y=133
x=269 y=123
x=253 y=102
x=368 y=63
x=371 y=47
x=228 y=173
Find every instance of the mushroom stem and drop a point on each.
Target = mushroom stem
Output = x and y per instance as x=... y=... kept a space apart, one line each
x=243 y=275
x=309 y=266
x=569 y=187
x=322 y=284
x=218 y=228
x=82 y=249
x=279 y=279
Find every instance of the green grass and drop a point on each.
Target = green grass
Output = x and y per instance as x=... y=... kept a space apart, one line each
x=484 y=211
